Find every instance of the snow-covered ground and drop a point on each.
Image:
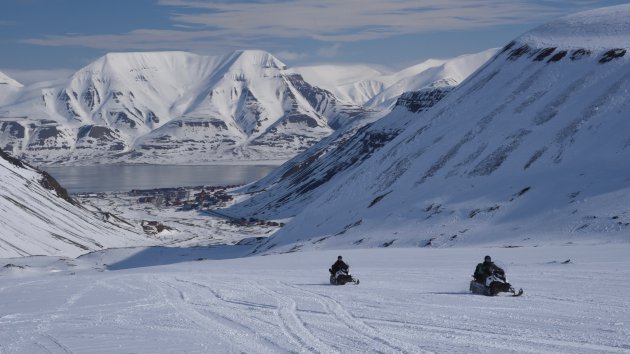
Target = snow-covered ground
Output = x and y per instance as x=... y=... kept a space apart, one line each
x=409 y=301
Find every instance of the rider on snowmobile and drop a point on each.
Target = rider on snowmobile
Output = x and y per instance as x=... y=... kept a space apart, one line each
x=339 y=265
x=491 y=280
x=486 y=269
x=340 y=273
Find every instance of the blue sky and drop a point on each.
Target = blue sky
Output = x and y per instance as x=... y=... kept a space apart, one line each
x=52 y=37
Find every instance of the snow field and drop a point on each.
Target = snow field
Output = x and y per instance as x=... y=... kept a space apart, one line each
x=409 y=301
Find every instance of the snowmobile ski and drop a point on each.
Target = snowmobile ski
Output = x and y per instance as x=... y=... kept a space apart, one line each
x=515 y=292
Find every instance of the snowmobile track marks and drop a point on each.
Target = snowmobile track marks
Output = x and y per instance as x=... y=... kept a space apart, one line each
x=218 y=296
x=57 y=345
x=181 y=304
x=500 y=340
x=338 y=311
x=291 y=324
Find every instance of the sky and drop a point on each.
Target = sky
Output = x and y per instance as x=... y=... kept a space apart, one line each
x=46 y=39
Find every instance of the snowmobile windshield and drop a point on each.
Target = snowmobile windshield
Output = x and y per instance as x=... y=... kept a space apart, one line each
x=502 y=265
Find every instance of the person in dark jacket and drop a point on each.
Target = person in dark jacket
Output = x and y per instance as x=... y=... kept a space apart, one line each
x=339 y=265
x=486 y=269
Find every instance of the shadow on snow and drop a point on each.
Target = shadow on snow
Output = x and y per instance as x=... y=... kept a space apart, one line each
x=127 y=258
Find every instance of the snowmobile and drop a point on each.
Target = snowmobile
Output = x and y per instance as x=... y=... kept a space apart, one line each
x=342 y=277
x=495 y=283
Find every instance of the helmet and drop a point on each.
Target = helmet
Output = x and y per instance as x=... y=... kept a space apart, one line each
x=339 y=258
x=487 y=259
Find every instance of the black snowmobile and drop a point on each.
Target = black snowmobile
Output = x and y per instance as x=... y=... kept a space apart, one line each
x=494 y=284
x=341 y=277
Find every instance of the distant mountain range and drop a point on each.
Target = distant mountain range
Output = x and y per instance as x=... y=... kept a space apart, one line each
x=370 y=88
x=176 y=107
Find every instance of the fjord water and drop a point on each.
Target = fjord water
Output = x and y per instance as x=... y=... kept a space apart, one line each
x=109 y=178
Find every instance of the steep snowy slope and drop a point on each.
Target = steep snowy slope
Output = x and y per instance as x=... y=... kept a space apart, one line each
x=376 y=89
x=38 y=218
x=534 y=146
x=172 y=106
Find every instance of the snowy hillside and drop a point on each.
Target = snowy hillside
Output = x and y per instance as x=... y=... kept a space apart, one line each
x=375 y=89
x=38 y=217
x=160 y=107
x=532 y=148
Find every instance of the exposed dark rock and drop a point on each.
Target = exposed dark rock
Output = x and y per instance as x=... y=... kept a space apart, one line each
x=14 y=129
x=507 y=47
x=44 y=133
x=302 y=118
x=520 y=193
x=377 y=199
x=117 y=147
x=14 y=161
x=474 y=212
x=557 y=57
x=302 y=164
x=429 y=242
x=91 y=97
x=418 y=101
x=612 y=54
x=151 y=117
x=518 y=52
x=387 y=244
x=122 y=117
x=50 y=183
x=579 y=54
x=498 y=156
x=71 y=242
x=544 y=53
x=83 y=131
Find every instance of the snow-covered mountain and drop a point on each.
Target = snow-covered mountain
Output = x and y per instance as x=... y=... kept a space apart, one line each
x=39 y=218
x=6 y=80
x=375 y=88
x=533 y=146
x=172 y=106
x=8 y=88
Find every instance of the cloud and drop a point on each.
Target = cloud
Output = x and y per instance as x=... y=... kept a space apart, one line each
x=352 y=20
x=329 y=52
x=289 y=55
x=147 y=39
x=214 y=25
